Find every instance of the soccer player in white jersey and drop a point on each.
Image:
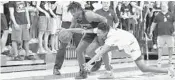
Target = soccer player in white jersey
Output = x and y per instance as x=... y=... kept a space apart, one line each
x=117 y=39
x=123 y=40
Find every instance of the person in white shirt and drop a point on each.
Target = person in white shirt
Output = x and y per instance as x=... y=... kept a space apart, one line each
x=117 y=39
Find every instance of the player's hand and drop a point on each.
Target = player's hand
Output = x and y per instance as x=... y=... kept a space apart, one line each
x=28 y=26
x=87 y=66
x=16 y=26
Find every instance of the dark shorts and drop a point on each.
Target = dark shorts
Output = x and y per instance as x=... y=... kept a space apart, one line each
x=3 y=22
x=89 y=37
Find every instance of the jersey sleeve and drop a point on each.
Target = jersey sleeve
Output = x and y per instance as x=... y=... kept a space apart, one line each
x=111 y=41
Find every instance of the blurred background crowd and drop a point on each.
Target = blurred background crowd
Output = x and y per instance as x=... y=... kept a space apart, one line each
x=22 y=23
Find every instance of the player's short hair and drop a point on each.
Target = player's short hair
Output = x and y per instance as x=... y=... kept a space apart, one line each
x=74 y=5
x=103 y=26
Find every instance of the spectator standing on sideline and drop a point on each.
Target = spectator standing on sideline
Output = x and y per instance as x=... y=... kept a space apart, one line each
x=34 y=19
x=58 y=10
x=52 y=26
x=43 y=24
x=165 y=22
x=126 y=11
x=156 y=9
x=20 y=30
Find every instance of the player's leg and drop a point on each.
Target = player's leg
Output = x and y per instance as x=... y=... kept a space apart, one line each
x=90 y=51
x=139 y=60
x=60 y=52
x=80 y=55
x=81 y=58
x=82 y=46
x=144 y=68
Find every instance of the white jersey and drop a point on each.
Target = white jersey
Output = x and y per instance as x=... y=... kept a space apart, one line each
x=118 y=37
x=124 y=41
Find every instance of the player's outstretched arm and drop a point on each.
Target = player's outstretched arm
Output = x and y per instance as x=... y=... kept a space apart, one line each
x=100 y=51
x=80 y=30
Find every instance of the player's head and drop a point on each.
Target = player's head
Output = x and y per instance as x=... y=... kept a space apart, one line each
x=74 y=8
x=103 y=29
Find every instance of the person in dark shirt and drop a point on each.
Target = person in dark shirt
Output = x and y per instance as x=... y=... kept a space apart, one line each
x=109 y=14
x=153 y=12
x=88 y=20
x=165 y=22
x=20 y=30
x=126 y=11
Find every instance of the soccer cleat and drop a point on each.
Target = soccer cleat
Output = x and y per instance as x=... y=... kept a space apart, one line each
x=107 y=75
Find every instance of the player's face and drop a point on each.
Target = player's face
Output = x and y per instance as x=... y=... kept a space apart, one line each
x=101 y=33
x=77 y=14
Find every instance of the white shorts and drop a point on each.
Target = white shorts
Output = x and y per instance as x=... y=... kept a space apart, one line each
x=133 y=49
x=165 y=41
